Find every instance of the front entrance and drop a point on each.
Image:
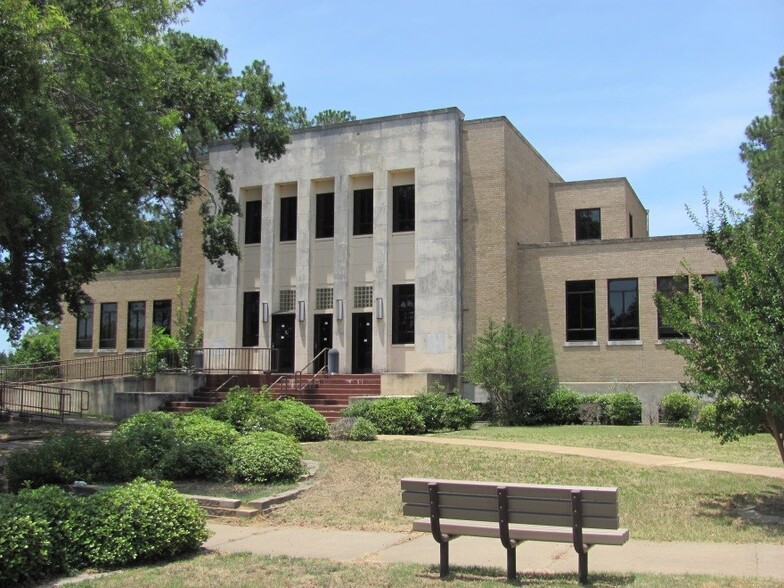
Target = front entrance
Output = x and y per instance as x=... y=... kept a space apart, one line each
x=361 y=342
x=322 y=339
x=283 y=342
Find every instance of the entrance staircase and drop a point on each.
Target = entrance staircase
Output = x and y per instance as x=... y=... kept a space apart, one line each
x=329 y=394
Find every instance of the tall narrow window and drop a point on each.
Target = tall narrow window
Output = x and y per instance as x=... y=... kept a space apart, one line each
x=136 y=317
x=623 y=309
x=84 y=328
x=403 y=313
x=161 y=315
x=669 y=286
x=588 y=224
x=252 y=222
x=288 y=219
x=325 y=215
x=108 y=326
x=631 y=227
x=250 y=319
x=581 y=310
x=403 y=202
x=363 y=212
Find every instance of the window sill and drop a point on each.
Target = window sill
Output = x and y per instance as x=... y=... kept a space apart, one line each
x=320 y=239
x=663 y=342
x=581 y=344
x=363 y=236
x=625 y=343
x=85 y=351
x=412 y=345
x=107 y=350
x=254 y=245
x=135 y=350
x=403 y=232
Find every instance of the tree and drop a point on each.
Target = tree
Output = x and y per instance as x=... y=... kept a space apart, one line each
x=735 y=325
x=299 y=118
x=105 y=111
x=39 y=344
x=516 y=370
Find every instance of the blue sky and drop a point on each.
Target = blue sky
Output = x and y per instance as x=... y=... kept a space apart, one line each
x=657 y=91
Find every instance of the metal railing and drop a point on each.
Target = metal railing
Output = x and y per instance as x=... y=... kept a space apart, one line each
x=285 y=380
x=201 y=360
x=43 y=401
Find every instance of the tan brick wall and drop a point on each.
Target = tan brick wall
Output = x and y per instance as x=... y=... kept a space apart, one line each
x=544 y=271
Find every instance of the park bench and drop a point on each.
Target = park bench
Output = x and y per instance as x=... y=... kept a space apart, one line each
x=514 y=513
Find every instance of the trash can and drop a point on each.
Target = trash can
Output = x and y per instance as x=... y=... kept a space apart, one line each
x=333 y=356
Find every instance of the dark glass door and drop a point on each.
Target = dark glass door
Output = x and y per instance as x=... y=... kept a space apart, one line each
x=361 y=343
x=283 y=341
x=322 y=339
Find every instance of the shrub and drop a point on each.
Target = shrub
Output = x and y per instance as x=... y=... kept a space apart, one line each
x=61 y=459
x=290 y=417
x=563 y=407
x=240 y=406
x=145 y=437
x=360 y=408
x=395 y=416
x=24 y=546
x=265 y=457
x=678 y=408
x=341 y=428
x=194 y=460
x=623 y=408
x=362 y=430
x=705 y=420
x=198 y=427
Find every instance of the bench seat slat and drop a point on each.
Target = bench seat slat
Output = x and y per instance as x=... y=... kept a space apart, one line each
x=538 y=505
x=532 y=518
x=589 y=493
x=526 y=533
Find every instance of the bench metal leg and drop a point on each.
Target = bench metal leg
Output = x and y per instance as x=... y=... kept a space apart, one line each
x=511 y=564
x=582 y=566
x=444 y=559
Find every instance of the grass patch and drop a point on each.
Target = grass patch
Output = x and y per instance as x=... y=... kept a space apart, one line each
x=657 y=440
x=359 y=488
x=257 y=570
x=244 y=492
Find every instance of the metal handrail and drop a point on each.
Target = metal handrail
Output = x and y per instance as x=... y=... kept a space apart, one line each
x=298 y=374
x=43 y=401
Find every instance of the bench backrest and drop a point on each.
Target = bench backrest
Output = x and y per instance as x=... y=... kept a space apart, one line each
x=529 y=504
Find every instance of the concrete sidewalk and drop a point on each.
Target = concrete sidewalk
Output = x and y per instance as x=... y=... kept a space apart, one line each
x=723 y=559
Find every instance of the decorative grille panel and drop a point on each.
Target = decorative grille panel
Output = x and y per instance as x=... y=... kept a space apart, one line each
x=363 y=296
x=287 y=299
x=323 y=298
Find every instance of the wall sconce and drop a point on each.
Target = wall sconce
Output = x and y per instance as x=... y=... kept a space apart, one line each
x=339 y=309
x=264 y=312
x=301 y=310
x=379 y=308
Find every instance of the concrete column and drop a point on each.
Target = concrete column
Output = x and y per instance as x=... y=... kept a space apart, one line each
x=303 y=337
x=269 y=204
x=382 y=216
x=340 y=280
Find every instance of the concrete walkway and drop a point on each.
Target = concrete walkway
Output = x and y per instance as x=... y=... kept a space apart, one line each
x=644 y=459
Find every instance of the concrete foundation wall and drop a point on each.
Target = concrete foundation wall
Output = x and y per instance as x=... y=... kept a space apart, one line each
x=413 y=384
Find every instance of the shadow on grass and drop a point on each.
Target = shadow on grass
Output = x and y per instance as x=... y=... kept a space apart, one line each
x=764 y=510
x=480 y=575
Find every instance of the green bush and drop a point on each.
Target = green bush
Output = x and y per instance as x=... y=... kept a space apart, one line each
x=24 y=546
x=266 y=457
x=678 y=408
x=706 y=419
x=240 y=406
x=395 y=416
x=362 y=430
x=563 y=407
x=360 y=408
x=194 y=460
x=145 y=437
x=198 y=427
x=61 y=459
x=290 y=417
x=623 y=408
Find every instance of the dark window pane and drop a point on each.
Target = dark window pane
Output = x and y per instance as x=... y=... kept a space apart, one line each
x=403 y=313
x=253 y=222
x=669 y=286
x=84 y=328
x=588 y=224
x=288 y=219
x=325 y=215
x=581 y=311
x=250 y=319
x=363 y=212
x=403 y=208
x=108 y=326
x=161 y=315
x=623 y=309
x=136 y=312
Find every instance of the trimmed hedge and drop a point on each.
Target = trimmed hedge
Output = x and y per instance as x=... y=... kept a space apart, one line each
x=563 y=407
x=266 y=457
x=441 y=411
x=353 y=429
x=198 y=427
x=395 y=416
x=678 y=408
x=289 y=417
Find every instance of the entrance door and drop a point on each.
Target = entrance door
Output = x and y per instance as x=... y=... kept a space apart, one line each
x=322 y=339
x=361 y=342
x=283 y=341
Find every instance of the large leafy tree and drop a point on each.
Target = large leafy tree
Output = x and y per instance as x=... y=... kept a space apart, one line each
x=106 y=111
x=735 y=325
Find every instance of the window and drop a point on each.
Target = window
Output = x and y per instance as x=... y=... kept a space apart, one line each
x=161 y=315
x=581 y=310
x=363 y=296
x=286 y=300
x=631 y=227
x=324 y=298
x=250 y=319
x=108 y=326
x=363 y=212
x=252 y=222
x=403 y=313
x=325 y=215
x=135 y=337
x=403 y=208
x=84 y=328
x=288 y=219
x=669 y=286
x=712 y=279
x=623 y=309
x=588 y=224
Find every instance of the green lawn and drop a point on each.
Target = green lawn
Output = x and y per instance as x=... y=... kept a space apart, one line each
x=659 y=440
